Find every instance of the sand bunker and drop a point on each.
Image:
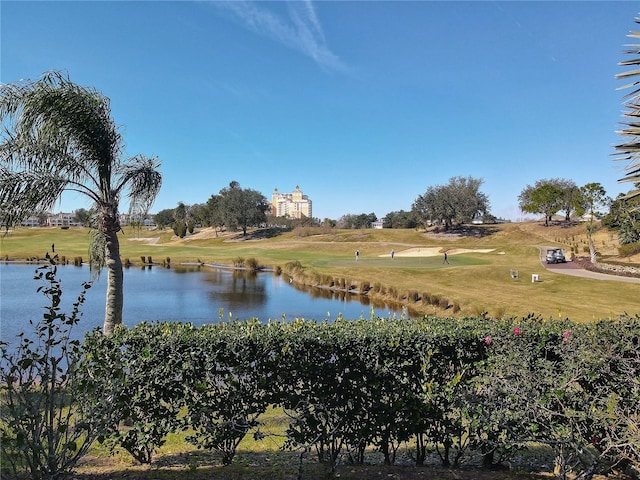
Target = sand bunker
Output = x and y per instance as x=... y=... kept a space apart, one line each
x=436 y=251
x=148 y=241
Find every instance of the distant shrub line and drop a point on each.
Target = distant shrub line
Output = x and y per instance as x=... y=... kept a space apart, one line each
x=296 y=271
x=629 y=249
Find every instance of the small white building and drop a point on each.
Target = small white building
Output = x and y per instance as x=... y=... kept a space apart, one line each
x=60 y=220
x=32 y=221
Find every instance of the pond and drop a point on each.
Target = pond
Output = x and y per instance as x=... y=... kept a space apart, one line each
x=189 y=294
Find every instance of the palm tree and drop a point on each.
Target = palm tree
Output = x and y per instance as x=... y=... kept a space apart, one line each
x=593 y=196
x=630 y=150
x=58 y=136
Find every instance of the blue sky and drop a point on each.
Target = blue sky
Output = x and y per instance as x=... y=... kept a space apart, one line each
x=364 y=105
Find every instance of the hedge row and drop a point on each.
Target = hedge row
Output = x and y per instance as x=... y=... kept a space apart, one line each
x=441 y=385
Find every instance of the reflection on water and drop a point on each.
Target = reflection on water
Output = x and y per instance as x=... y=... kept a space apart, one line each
x=342 y=296
x=189 y=294
x=240 y=289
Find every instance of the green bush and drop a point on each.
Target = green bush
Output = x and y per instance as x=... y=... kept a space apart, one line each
x=252 y=263
x=180 y=229
x=238 y=262
x=294 y=267
x=629 y=249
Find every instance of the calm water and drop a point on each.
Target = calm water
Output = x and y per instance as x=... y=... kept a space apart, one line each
x=197 y=295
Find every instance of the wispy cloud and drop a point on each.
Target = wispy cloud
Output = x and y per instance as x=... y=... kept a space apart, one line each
x=299 y=30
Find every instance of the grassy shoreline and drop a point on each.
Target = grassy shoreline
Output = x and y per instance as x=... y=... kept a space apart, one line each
x=474 y=282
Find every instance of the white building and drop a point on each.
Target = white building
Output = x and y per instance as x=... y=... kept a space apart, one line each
x=125 y=219
x=32 y=221
x=60 y=220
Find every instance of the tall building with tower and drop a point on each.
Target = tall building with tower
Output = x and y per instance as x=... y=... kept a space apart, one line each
x=292 y=205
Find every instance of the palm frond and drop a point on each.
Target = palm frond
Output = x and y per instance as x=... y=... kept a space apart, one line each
x=97 y=257
x=630 y=151
x=24 y=193
x=56 y=122
x=140 y=176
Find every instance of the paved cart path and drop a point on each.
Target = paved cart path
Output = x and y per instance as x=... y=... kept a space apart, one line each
x=570 y=268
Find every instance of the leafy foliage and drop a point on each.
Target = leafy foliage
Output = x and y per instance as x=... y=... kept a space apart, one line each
x=142 y=377
x=624 y=216
x=242 y=207
x=544 y=197
x=47 y=420
x=460 y=200
x=450 y=385
x=164 y=218
x=227 y=394
x=353 y=221
x=400 y=219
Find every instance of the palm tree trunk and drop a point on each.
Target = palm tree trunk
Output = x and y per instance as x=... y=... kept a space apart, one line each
x=114 y=302
x=592 y=245
x=592 y=251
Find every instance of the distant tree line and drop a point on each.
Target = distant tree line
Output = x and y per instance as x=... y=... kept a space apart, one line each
x=459 y=201
x=234 y=208
x=550 y=196
x=362 y=220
